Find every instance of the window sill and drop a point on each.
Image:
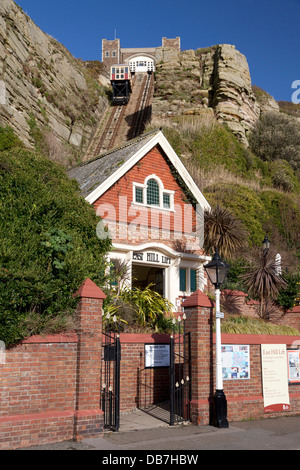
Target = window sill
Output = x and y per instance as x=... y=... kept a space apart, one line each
x=148 y=206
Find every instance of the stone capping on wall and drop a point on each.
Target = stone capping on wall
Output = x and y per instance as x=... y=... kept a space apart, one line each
x=198 y=299
x=140 y=338
x=236 y=338
x=56 y=338
x=136 y=338
x=295 y=309
x=89 y=290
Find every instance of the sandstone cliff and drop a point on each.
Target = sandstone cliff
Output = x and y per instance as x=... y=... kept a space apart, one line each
x=44 y=89
x=42 y=86
x=215 y=79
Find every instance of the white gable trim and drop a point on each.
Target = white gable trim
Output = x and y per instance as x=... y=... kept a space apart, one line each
x=160 y=139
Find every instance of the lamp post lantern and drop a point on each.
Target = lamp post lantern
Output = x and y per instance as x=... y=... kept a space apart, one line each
x=216 y=270
x=265 y=245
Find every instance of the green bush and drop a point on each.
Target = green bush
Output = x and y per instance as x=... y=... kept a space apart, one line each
x=287 y=297
x=213 y=146
x=283 y=176
x=237 y=268
x=260 y=211
x=48 y=245
x=245 y=205
x=254 y=326
x=8 y=139
x=276 y=136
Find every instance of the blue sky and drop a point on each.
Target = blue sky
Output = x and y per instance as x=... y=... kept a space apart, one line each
x=266 y=32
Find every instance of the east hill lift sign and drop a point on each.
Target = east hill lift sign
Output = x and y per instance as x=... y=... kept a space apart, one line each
x=150 y=257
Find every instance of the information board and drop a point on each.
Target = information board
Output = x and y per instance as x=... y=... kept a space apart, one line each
x=235 y=362
x=157 y=355
x=275 y=377
x=293 y=358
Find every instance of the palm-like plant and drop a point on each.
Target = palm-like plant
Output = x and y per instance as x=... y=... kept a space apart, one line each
x=263 y=280
x=149 y=306
x=222 y=231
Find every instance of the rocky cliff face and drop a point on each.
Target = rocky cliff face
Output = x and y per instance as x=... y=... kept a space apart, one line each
x=42 y=86
x=44 y=89
x=215 y=79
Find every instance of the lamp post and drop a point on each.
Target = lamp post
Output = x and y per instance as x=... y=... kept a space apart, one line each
x=216 y=270
x=265 y=245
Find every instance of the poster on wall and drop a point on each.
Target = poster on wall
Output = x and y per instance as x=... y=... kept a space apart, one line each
x=235 y=362
x=293 y=358
x=157 y=355
x=275 y=377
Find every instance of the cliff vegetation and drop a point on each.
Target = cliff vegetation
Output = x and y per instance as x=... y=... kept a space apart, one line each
x=48 y=243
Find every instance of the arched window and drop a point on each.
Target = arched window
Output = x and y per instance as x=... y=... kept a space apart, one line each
x=153 y=193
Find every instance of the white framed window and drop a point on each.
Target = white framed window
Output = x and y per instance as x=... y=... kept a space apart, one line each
x=152 y=193
x=106 y=54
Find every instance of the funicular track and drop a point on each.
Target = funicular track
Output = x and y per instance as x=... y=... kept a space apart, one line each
x=106 y=140
x=124 y=122
x=142 y=113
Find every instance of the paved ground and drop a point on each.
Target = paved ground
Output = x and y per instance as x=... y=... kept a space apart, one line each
x=140 y=431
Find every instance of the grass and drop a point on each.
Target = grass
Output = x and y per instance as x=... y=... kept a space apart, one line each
x=248 y=325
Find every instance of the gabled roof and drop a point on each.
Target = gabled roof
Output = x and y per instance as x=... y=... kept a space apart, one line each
x=96 y=176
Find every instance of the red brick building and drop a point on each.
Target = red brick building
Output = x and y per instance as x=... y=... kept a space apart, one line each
x=154 y=212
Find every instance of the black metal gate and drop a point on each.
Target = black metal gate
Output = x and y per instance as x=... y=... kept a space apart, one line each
x=180 y=373
x=110 y=393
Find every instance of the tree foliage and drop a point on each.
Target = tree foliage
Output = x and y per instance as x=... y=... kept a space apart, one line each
x=223 y=231
x=137 y=307
x=48 y=244
x=287 y=297
x=276 y=136
x=263 y=279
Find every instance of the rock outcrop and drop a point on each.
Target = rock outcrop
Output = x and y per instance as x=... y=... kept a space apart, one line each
x=42 y=85
x=232 y=97
x=218 y=78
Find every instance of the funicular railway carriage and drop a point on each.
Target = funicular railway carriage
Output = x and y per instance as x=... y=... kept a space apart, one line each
x=120 y=79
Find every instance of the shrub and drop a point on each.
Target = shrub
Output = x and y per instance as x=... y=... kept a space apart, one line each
x=8 y=139
x=287 y=297
x=260 y=210
x=246 y=325
x=223 y=231
x=276 y=136
x=283 y=176
x=48 y=245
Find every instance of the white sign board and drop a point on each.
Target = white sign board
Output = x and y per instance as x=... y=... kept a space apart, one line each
x=293 y=366
x=157 y=355
x=275 y=377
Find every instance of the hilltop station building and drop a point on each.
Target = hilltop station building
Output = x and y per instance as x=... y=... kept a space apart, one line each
x=138 y=59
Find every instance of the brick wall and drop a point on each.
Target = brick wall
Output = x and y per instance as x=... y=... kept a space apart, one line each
x=172 y=43
x=236 y=302
x=244 y=397
x=50 y=386
x=112 y=48
x=141 y=387
x=123 y=54
x=37 y=391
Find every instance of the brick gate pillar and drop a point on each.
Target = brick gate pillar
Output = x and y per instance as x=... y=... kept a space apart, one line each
x=88 y=419
x=199 y=313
